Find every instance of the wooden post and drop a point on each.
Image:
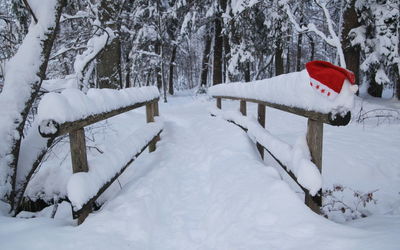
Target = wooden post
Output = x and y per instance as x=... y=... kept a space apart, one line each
x=156 y=113
x=243 y=108
x=150 y=118
x=314 y=142
x=79 y=160
x=261 y=121
x=219 y=103
x=156 y=110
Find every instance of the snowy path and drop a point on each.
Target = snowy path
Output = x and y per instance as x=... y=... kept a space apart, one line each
x=204 y=188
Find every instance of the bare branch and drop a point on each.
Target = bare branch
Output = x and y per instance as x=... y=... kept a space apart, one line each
x=30 y=10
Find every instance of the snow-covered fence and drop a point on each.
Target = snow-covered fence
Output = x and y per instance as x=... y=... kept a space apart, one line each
x=71 y=111
x=290 y=93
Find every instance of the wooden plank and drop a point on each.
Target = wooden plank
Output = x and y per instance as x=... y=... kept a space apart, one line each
x=88 y=205
x=330 y=118
x=219 y=103
x=315 y=142
x=150 y=118
x=243 y=108
x=261 y=121
x=79 y=161
x=65 y=128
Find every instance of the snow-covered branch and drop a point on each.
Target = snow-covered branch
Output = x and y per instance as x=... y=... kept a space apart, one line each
x=332 y=40
x=23 y=79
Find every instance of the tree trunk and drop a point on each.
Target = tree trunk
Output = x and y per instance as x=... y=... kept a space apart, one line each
x=299 y=47
x=171 y=71
x=227 y=46
x=218 y=43
x=109 y=73
x=247 y=77
x=351 y=53
x=374 y=88
x=288 y=59
x=397 y=83
x=109 y=66
x=218 y=48
x=158 y=68
x=279 y=69
x=206 y=59
x=148 y=77
x=164 y=84
x=128 y=73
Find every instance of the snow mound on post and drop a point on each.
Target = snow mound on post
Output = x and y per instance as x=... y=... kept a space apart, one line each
x=296 y=158
x=72 y=104
x=85 y=185
x=291 y=89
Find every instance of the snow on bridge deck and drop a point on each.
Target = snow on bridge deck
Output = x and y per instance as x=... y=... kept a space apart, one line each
x=204 y=188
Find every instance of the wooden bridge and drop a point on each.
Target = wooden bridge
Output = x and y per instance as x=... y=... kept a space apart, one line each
x=75 y=128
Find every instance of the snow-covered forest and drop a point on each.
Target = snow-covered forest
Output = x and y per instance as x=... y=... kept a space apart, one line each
x=106 y=64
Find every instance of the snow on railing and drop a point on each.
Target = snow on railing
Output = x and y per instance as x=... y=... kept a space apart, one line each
x=58 y=112
x=291 y=93
x=72 y=110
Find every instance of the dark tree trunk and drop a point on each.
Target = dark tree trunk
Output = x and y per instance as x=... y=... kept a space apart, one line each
x=299 y=54
x=247 y=77
x=288 y=59
x=397 y=83
x=397 y=86
x=109 y=66
x=374 y=88
x=128 y=72
x=351 y=53
x=279 y=69
x=109 y=73
x=157 y=48
x=206 y=58
x=218 y=43
x=148 y=77
x=171 y=71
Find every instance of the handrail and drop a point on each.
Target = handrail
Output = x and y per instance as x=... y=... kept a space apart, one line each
x=51 y=128
x=335 y=119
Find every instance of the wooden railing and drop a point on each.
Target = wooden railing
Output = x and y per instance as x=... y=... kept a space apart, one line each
x=314 y=136
x=75 y=129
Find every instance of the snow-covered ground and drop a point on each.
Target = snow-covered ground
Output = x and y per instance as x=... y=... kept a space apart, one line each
x=205 y=187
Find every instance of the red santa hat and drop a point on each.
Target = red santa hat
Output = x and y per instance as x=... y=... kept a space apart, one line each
x=328 y=79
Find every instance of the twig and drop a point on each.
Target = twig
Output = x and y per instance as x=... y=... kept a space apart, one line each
x=30 y=10
x=55 y=200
